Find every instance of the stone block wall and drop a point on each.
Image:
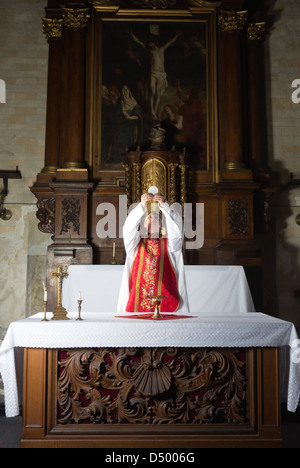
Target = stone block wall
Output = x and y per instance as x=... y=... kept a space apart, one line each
x=282 y=68
x=23 y=67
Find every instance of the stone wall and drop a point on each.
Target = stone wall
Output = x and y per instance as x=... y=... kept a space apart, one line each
x=23 y=58
x=282 y=68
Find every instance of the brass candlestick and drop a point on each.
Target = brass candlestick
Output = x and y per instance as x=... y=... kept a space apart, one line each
x=156 y=301
x=59 y=312
x=45 y=312
x=79 y=309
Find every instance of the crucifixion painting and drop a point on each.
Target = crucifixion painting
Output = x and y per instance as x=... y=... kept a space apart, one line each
x=153 y=73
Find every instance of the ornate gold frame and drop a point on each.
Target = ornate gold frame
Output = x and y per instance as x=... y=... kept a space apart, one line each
x=199 y=13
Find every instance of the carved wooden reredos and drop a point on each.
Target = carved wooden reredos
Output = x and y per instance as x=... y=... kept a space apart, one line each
x=207 y=97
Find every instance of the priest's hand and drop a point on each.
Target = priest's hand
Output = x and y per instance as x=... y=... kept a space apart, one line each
x=145 y=198
x=159 y=198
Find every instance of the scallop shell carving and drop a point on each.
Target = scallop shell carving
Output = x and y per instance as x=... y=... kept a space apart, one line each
x=152 y=378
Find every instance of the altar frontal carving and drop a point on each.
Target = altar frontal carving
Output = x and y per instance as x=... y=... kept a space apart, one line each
x=152 y=386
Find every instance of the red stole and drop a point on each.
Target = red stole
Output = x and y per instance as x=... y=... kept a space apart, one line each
x=152 y=273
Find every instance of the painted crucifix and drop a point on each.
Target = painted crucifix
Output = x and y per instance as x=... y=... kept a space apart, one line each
x=158 y=76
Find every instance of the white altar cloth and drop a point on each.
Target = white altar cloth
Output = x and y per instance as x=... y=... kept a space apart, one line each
x=209 y=288
x=106 y=330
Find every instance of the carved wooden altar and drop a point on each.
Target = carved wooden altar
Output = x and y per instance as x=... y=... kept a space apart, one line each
x=151 y=397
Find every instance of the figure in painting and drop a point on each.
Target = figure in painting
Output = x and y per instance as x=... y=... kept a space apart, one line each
x=158 y=76
x=193 y=122
x=171 y=121
x=126 y=121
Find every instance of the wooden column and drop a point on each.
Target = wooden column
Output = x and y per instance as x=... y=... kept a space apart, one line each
x=256 y=102
x=231 y=25
x=75 y=22
x=52 y=28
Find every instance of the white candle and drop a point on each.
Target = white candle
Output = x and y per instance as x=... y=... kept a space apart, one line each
x=79 y=295
x=45 y=295
x=114 y=249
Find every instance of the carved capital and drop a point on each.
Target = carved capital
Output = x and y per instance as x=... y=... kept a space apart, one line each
x=52 y=28
x=256 y=31
x=76 y=18
x=229 y=21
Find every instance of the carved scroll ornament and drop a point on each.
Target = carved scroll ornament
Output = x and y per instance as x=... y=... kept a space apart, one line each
x=45 y=214
x=151 y=386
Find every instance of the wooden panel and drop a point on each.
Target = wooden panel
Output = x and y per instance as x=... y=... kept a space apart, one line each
x=34 y=393
x=268 y=382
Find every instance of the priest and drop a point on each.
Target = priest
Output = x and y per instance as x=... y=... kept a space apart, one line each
x=154 y=262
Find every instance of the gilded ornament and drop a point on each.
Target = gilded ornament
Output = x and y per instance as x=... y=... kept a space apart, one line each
x=76 y=18
x=52 y=28
x=154 y=173
x=256 y=31
x=229 y=21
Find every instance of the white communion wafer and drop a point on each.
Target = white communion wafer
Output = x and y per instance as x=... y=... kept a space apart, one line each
x=153 y=190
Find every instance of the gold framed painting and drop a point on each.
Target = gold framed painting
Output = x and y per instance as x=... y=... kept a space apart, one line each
x=153 y=68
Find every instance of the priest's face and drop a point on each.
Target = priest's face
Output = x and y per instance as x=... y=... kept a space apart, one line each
x=153 y=224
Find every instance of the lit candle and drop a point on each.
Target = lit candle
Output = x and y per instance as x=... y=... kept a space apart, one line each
x=79 y=295
x=45 y=295
x=114 y=249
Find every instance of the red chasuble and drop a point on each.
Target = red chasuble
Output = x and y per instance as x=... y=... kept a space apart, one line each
x=152 y=273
